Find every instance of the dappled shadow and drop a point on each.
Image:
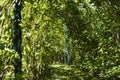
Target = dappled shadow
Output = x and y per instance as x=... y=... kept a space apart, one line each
x=64 y=72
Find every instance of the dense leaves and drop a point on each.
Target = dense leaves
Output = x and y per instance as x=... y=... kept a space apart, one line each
x=93 y=28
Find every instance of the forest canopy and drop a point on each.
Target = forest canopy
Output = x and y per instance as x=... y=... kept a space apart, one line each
x=83 y=33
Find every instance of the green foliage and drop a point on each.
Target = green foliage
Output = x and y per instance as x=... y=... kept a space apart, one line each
x=93 y=27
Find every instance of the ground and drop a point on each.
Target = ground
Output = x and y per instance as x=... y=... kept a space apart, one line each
x=64 y=72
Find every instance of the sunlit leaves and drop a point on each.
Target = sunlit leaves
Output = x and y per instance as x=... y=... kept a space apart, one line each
x=94 y=31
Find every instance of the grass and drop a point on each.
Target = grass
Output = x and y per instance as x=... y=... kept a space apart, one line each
x=64 y=72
